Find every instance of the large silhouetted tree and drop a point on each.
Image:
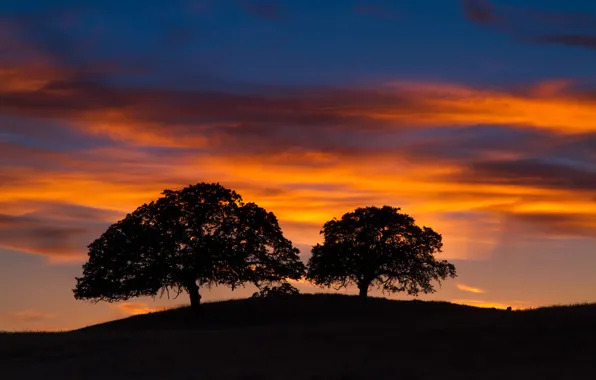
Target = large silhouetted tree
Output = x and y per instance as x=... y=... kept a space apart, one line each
x=378 y=247
x=200 y=236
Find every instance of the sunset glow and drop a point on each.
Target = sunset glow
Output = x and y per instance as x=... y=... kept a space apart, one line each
x=495 y=154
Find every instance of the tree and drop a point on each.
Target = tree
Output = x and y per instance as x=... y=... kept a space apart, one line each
x=269 y=258
x=378 y=247
x=283 y=290
x=200 y=236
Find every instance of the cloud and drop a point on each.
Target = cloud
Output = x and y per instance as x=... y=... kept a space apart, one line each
x=57 y=230
x=470 y=289
x=31 y=316
x=557 y=224
x=134 y=308
x=73 y=136
x=578 y=175
x=432 y=182
x=160 y=116
x=560 y=28
x=87 y=100
x=85 y=97
x=211 y=118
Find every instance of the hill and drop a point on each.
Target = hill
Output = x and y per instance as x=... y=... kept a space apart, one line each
x=302 y=309
x=315 y=337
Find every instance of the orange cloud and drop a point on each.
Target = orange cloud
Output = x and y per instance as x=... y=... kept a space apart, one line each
x=444 y=104
x=211 y=119
x=470 y=289
x=24 y=79
x=303 y=196
x=138 y=117
x=421 y=146
x=134 y=308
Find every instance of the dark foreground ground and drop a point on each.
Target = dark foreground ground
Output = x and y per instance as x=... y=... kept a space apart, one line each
x=316 y=337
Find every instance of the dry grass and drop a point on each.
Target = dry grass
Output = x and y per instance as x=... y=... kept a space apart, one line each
x=316 y=337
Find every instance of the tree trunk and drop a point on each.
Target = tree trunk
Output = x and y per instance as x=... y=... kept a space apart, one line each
x=193 y=292
x=363 y=291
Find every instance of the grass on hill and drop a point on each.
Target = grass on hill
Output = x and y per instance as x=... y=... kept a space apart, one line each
x=316 y=337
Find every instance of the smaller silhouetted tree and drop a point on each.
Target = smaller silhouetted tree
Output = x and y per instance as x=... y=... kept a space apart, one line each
x=378 y=247
x=285 y=289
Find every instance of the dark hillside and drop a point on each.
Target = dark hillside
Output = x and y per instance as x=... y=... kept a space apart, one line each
x=316 y=337
x=302 y=309
x=329 y=308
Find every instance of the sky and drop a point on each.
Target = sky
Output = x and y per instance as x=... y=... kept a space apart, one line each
x=476 y=117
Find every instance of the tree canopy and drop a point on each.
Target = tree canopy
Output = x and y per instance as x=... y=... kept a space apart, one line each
x=378 y=247
x=200 y=236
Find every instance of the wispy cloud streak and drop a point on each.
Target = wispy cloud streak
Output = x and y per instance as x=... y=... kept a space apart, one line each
x=470 y=289
x=560 y=28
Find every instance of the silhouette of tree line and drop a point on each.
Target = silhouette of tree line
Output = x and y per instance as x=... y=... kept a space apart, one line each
x=205 y=235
